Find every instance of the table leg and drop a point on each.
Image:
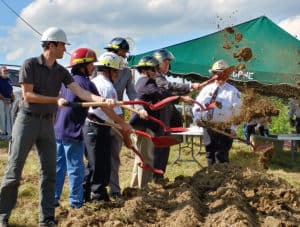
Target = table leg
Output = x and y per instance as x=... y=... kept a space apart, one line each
x=192 y=152
x=293 y=149
x=178 y=156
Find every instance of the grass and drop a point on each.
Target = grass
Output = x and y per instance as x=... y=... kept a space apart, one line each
x=26 y=211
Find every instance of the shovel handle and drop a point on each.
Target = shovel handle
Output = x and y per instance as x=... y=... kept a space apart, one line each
x=262 y=147
x=89 y=104
x=159 y=122
x=213 y=78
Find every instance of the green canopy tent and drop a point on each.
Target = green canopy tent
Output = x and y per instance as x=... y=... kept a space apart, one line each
x=267 y=58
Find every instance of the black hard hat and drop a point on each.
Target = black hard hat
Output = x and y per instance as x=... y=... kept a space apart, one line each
x=163 y=54
x=118 y=43
x=147 y=62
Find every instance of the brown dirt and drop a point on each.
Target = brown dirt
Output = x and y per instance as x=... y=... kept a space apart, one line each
x=224 y=195
x=243 y=54
x=253 y=106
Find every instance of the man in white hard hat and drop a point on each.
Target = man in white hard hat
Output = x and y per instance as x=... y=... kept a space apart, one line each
x=98 y=169
x=218 y=145
x=41 y=79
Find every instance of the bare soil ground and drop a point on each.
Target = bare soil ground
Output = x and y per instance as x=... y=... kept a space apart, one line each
x=224 y=195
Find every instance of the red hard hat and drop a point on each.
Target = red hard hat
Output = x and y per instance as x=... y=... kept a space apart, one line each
x=82 y=55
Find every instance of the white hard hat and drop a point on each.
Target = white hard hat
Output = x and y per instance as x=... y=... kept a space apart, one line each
x=110 y=60
x=54 y=34
x=218 y=66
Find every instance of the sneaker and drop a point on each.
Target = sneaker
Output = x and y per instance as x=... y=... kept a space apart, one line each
x=4 y=223
x=75 y=206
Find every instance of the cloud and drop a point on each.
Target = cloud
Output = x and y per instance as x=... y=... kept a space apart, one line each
x=15 y=54
x=151 y=24
x=292 y=25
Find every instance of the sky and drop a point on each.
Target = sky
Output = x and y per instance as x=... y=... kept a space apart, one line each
x=148 y=24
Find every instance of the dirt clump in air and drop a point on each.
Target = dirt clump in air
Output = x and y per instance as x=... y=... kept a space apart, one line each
x=243 y=54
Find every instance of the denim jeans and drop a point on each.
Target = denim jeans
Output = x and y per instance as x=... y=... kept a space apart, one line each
x=27 y=131
x=5 y=118
x=69 y=158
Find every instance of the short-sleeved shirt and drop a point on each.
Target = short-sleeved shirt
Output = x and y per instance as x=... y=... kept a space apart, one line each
x=106 y=90
x=69 y=121
x=46 y=81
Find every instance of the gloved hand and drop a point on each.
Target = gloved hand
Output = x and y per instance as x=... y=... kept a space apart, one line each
x=200 y=123
x=292 y=122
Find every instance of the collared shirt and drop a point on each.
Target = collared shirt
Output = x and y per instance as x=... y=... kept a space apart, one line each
x=228 y=96
x=46 y=81
x=106 y=90
x=230 y=100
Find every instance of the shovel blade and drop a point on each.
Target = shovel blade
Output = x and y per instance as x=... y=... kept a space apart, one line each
x=149 y=168
x=164 y=141
x=263 y=147
x=177 y=129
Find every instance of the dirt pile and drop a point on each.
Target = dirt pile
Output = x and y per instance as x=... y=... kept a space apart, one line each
x=224 y=195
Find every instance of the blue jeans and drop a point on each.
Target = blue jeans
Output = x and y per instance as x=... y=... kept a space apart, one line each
x=27 y=131
x=69 y=158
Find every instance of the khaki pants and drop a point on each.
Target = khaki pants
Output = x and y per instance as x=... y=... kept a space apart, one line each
x=141 y=177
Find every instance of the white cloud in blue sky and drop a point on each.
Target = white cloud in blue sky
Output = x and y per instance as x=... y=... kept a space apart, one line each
x=151 y=24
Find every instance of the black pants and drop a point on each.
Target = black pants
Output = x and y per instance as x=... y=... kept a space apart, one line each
x=161 y=157
x=98 y=149
x=297 y=125
x=218 y=150
x=249 y=130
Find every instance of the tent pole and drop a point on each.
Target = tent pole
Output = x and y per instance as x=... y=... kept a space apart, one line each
x=184 y=115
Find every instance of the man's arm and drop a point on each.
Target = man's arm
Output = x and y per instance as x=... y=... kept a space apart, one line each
x=172 y=87
x=84 y=94
x=32 y=97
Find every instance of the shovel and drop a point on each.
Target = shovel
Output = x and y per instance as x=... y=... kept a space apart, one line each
x=162 y=124
x=142 y=164
x=158 y=141
x=261 y=147
x=155 y=106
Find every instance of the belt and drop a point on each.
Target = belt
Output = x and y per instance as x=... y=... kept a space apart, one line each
x=39 y=115
x=94 y=118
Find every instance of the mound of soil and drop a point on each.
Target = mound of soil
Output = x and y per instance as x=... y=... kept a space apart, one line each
x=222 y=195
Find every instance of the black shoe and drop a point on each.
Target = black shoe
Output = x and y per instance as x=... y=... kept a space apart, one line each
x=49 y=223
x=115 y=195
x=56 y=203
x=97 y=197
x=86 y=195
